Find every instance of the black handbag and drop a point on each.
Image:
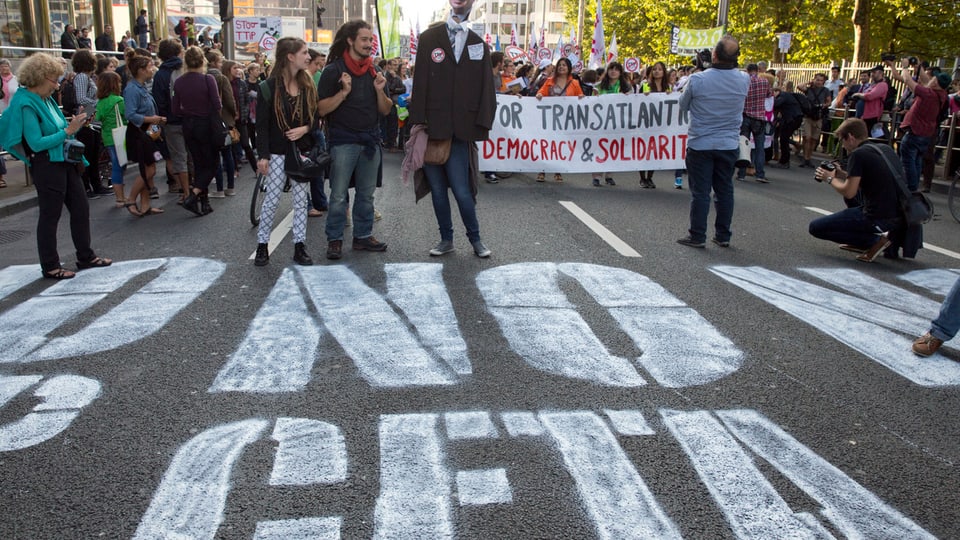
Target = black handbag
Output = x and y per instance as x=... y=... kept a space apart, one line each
x=303 y=166
x=916 y=207
x=219 y=132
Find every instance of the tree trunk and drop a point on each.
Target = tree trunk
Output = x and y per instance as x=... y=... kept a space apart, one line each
x=894 y=30
x=861 y=30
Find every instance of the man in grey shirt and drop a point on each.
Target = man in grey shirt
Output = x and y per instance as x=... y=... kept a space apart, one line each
x=714 y=98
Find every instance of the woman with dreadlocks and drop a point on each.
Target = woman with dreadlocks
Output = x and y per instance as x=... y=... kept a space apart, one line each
x=286 y=111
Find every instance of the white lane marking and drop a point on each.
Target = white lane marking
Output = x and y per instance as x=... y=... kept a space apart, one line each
x=144 y=313
x=752 y=506
x=191 y=498
x=628 y=423
x=310 y=452
x=26 y=326
x=61 y=397
x=876 y=291
x=418 y=290
x=10 y=386
x=104 y=280
x=488 y=486
x=936 y=280
x=522 y=424
x=854 y=511
x=380 y=344
x=544 y=328
x=278 y=351
x=470 y=425
x=926 y=245
x=604 y=233
x=614 y=495
x=853 y=321
x=325 y=528
x=415 y=485
x=13 y=278
x=280 y=231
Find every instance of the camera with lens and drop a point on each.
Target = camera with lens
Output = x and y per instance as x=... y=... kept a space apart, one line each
x=913 y=61
x=888 y=57
x=73 y=151
x=703 y=60
x=827 y=166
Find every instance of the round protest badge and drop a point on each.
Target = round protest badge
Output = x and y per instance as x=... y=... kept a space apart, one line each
x=631 y=65
x=568 y=49
x=545 y=54
x=437 y=55
x=514 y=53
x=268 y=42
x=578 y=67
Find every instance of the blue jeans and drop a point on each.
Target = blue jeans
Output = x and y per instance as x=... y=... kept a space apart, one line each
x=318 y=199
x=757 y=155
x=362 y=163
x=850 y=226
x=946 y=325
x=711 y=170
x=455 y=176
x=912 y=149
x=116 y=171
x=228 y=165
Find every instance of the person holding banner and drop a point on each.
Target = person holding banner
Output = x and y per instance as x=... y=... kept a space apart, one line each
x=614 y=81
x=714 y=99
x=454 y=75
x=561 y=84
x=655 y=81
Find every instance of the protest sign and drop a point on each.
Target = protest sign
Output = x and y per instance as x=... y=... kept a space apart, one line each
x=613 y=132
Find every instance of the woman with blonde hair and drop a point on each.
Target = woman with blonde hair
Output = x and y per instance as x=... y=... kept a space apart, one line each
x=286 y=111
x=34 y=130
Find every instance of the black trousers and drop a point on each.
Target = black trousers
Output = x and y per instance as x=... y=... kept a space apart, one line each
x=92 y=143
x=58 y=185
x=206 y=159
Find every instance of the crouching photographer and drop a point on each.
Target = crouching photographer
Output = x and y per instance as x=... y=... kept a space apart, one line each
x=877 y=225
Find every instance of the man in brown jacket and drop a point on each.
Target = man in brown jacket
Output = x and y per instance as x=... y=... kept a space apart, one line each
x=453 y=96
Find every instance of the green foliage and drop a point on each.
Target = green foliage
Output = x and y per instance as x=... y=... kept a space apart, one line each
x=822 y=29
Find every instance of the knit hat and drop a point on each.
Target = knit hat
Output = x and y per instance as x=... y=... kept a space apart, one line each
x=944 y=80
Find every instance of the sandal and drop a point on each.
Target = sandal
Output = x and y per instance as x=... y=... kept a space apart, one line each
x=3 y=183
x=152 y=211
x=96 y=262
x=314 y=213
x=121 y=203
x=132 y=208
x=540 y=177
x=558 y=177
x=59 y=273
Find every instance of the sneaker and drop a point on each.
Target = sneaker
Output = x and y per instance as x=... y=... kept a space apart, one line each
x=154 y=194
x=689 y=241
x=230 y=192
x=720 y=243
x=335 y=249
x=480 y=250
x=926 y=345
x=217 y=195
x=871 y=254
x=92 y=195
x=609 y=181
x=491 y=178
x=742 y=178
x=377 y=216
x=262 y=257
x=368 y=244
x=104 y=191
x=763 y=180
x=444 y=247
x=596 y=182
x=678 y=182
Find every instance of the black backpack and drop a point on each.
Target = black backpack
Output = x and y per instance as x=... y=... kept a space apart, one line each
x=814 y=104
x=68 y=96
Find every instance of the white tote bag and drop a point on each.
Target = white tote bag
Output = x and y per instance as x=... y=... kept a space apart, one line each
x=120 y=137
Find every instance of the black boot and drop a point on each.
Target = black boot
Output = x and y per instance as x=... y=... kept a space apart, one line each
x=300 y=255
x=192 y=203
x=263 y=256
x=205 y=204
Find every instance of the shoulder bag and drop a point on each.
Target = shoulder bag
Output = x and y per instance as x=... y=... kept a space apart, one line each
x=916 y=208
x=437 y=152
x=219 y=133
x=119 y=134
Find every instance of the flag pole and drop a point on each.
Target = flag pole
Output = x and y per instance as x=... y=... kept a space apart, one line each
x=580 y=16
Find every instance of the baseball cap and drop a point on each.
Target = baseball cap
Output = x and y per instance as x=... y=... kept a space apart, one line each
x=944 y=80
x=878 y=67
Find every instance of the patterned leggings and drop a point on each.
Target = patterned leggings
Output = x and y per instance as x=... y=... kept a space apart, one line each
x=275 y=181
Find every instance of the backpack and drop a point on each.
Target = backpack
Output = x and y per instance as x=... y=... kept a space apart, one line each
x=68 y=95
x=805 y=106
x=815 y=104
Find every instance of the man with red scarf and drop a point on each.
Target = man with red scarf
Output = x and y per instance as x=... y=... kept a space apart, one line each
x=352 y=100
x=454 y=75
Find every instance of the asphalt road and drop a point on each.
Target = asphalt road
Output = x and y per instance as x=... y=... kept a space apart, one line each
x=558 y=389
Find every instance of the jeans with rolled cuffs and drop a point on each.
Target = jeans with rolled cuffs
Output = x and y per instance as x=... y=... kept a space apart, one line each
x=361 y=162
x=455 y=176
x=912 y=149
x=850 y=226
x=947 y=323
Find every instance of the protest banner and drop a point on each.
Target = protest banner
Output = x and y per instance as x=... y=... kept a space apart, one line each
x=612 y=132
x=261 y=30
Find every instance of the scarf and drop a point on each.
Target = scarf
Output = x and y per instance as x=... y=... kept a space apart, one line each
x=358 y=68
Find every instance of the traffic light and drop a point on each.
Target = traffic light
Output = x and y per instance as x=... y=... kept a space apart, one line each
x=320 y=12
x=226 y=10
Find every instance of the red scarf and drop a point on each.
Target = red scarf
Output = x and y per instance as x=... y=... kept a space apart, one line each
x=357 y=69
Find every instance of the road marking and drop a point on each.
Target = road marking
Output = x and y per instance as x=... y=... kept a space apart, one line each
x=61 y=399
x=926 y=245
x=278 y=234
x=15 y=277
x=326 y=528
x=470 y=425
x=522 y=424
x=628 y=423
x=604 y=233
x=935 y=280
x=488 y=486
x=310 y=452
x=877 y=291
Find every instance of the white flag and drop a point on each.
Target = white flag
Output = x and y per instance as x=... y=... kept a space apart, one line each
x=513 y=35
x=597 y=54
x=558 y=52
x=612 y=49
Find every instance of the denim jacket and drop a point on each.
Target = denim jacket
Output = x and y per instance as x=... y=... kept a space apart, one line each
x=138 y=103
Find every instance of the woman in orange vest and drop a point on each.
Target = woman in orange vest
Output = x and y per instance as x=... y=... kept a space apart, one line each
x=561 y=84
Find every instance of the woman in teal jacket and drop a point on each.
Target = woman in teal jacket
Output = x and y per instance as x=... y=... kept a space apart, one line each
x=34 y=130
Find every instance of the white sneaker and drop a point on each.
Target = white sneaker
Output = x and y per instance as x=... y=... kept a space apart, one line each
x=444 y=247
x=217 y=195
x=229 y=192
